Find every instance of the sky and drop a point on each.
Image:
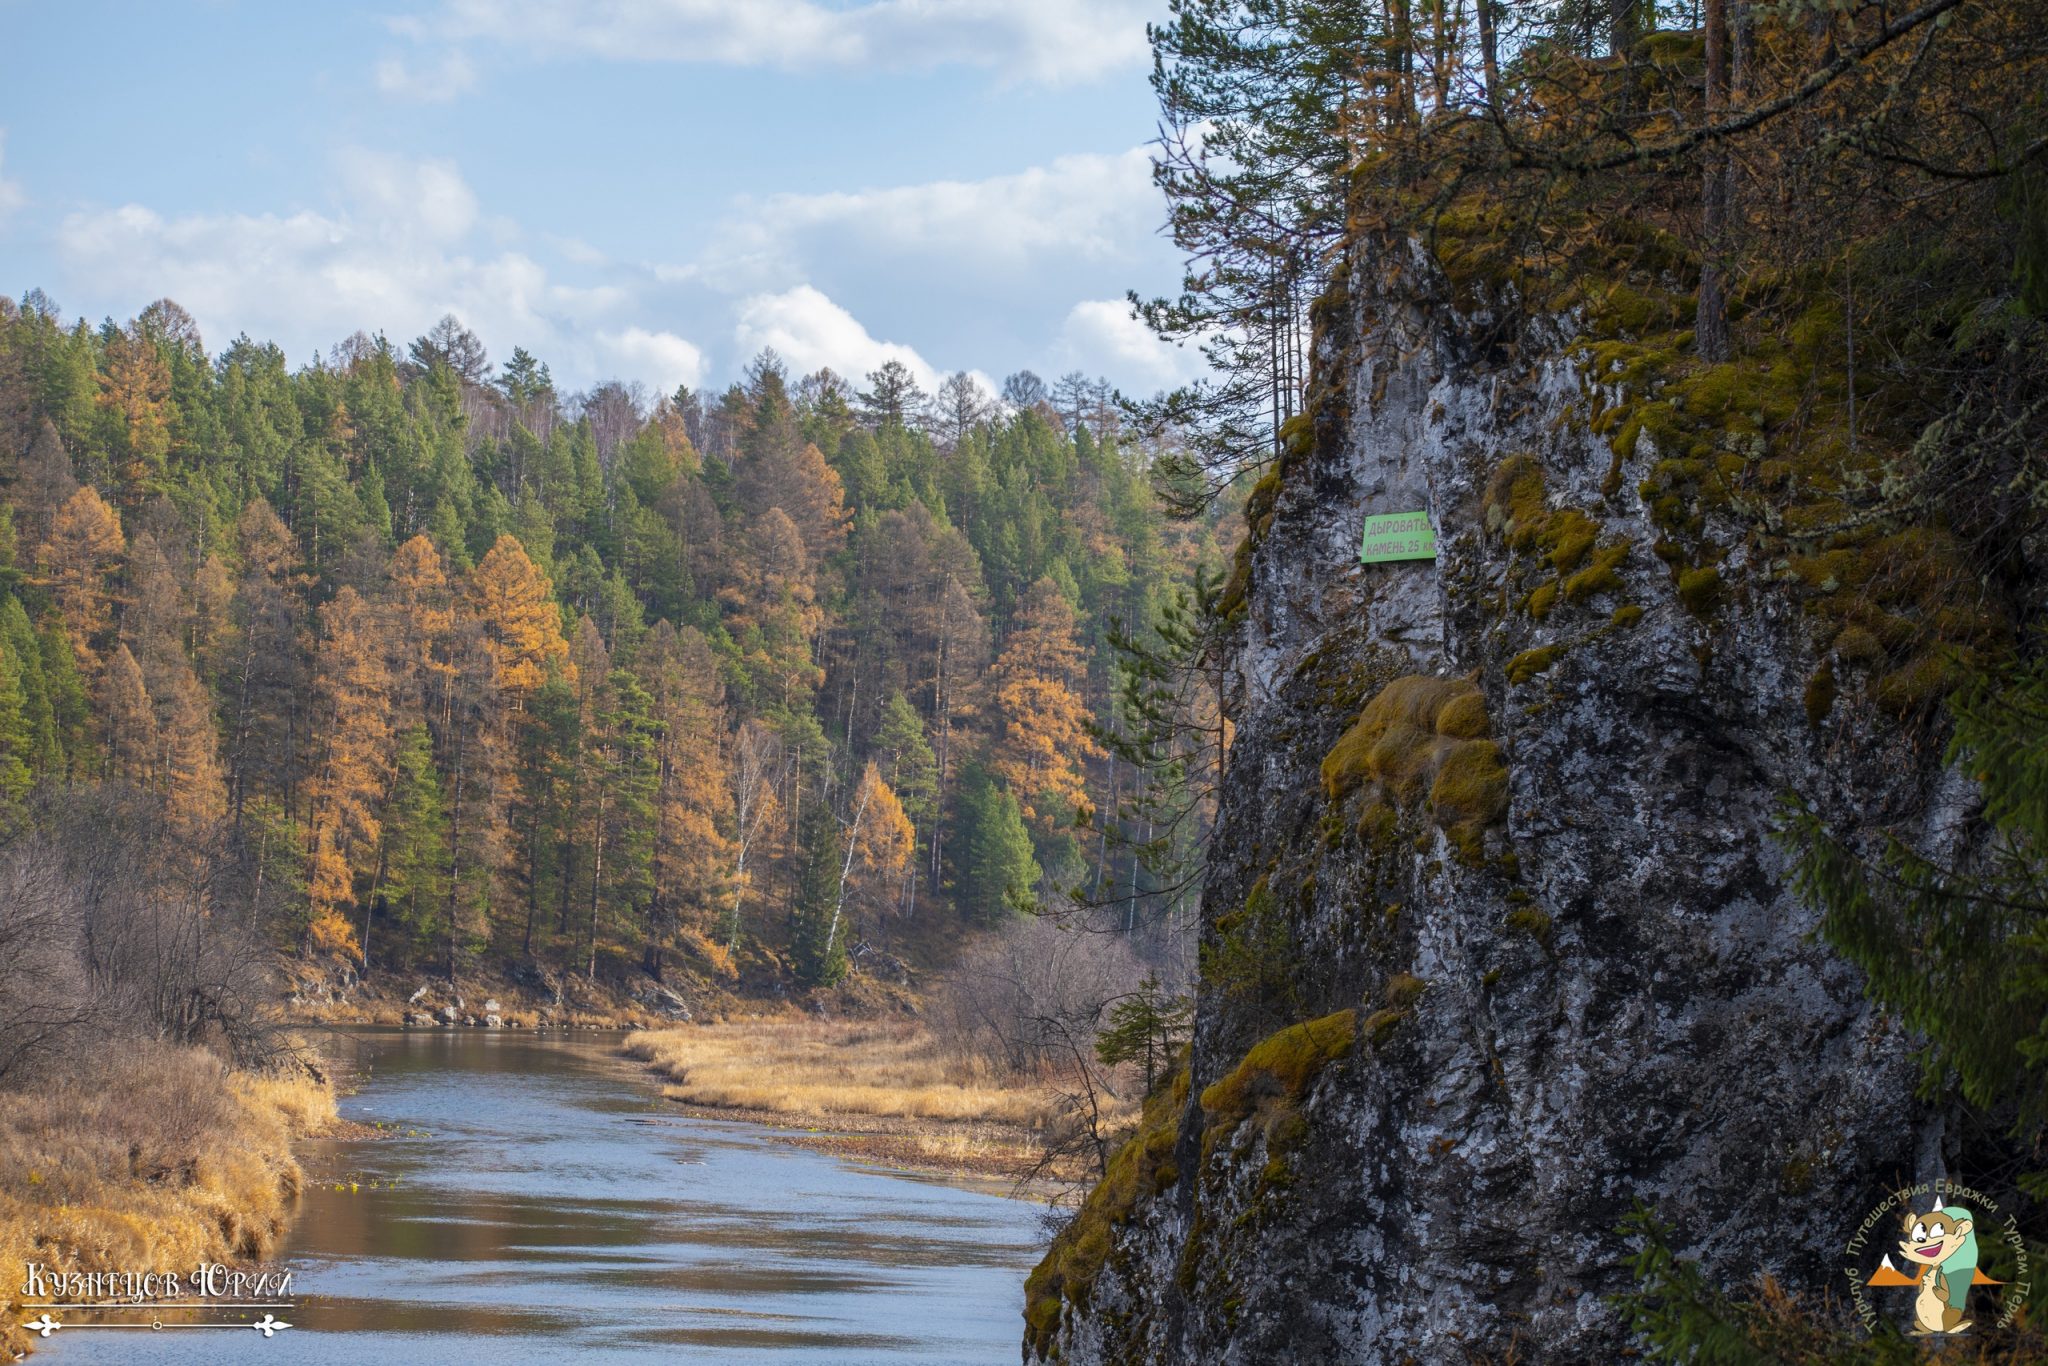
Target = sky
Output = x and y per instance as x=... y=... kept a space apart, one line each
x=643 y=190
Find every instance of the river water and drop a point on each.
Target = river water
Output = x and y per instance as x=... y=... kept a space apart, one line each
x=541 y=1202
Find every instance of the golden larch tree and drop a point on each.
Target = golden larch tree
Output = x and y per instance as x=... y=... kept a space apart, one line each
x=129 y=719
x=136 y=388
x=420 y=613
x=1042 y=737
x=84 y=547
x=353 y=726
x=187 y=767
x=516 y=605
x=693 y=800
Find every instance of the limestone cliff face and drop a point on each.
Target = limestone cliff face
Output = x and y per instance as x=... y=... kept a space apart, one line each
x=1498 y=830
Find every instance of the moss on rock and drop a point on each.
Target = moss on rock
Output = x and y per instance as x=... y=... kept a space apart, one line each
x=1423 y=735
x=1141 y=1169
x=1277 y=1071
x=1530 y=663
x=1699 y=589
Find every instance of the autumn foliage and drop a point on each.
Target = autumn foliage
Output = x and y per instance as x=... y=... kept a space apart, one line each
x=443 y=666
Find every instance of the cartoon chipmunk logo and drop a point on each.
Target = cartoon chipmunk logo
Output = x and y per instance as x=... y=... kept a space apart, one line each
x=1940 y=1248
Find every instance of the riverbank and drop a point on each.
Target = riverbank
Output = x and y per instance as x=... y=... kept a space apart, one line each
x=154 y=1161
x=877 y=1091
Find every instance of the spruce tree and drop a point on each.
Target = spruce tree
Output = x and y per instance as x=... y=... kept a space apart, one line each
x=1145 y=1027
x=17 y=738
x=816 y=951
x=997 y=868
x=416 y=841
x=1960 y=952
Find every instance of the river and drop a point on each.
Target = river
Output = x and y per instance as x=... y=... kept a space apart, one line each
x=540 y=1201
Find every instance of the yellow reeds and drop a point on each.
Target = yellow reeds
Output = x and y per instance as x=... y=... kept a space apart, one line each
x=158 y=1160
x=822 y=1068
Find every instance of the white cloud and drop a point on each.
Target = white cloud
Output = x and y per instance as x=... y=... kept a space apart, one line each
x=396 y=252
x=1101 y=337
x=11 y=197
x=436 y=83
x=661 y=359
x=425 y=198
x=1086 y=207
x=809 y=331
x=1051 y=41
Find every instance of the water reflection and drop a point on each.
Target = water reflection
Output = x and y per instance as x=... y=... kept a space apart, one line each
x=547 y=1196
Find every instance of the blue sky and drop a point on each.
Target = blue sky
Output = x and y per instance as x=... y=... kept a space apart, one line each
x=638 y=189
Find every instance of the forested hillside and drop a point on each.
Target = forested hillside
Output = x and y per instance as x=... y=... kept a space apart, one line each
x=436 y=664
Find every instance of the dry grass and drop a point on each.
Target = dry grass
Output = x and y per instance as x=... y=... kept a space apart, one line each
x=158 y=1161
x=811 y=1068
x=884 y=1092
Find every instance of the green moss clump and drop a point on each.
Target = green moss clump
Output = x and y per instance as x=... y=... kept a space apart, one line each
x=1463 y=717
x=1422 y=734
x=1532 y=922
x=1917 y=684
x=1298 y=436
x=1258 y=504
x=1628 y=614
x=1514 y=501
x=1530 y=663
x=1470 y=793
x=1571 y=534
x=1276 y=1073
x=1403 y=990
x=1541 y=599
x=1820 y=693
x=1141 y=1170
x=1394 y=741
x=1681 y=49
x=1855 y=645
x=1376 y=824
x=1700 y=589
x=1598 y=576
x=1379 y=1026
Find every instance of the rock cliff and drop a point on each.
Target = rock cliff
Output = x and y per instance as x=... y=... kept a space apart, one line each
x=1496 y=941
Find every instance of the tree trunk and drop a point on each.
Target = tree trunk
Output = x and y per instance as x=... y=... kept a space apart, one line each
x=455 y=852
x=1489 y=55
x=596 y=880
x=1711 y=323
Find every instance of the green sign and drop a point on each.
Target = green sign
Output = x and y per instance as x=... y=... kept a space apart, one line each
x=1397 y=536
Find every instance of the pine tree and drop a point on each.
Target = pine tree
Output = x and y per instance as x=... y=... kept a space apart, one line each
x=912 y=770
x=17 y=737
x=626 y=781
x=45 y=755
x=546 y=745
x=1145 y=1027
x=817 y=950
x=998 y=873
x=70 y=708
x=415 y=821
